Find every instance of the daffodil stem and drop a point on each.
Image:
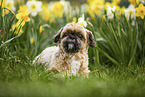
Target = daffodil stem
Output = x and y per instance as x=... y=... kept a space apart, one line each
x=8 y=10
x=3 y=28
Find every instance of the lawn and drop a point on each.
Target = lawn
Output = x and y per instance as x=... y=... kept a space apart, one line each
x=31 y=81
x=117 y=62
x=107 y=82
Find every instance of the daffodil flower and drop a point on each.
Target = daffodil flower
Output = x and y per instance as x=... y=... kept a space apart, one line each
x=110 y=12
x=34 y=7
x=130 y=12
x=57 y=9
x=82 y=21
x=23 y=17
x=66 y=5
x=10 y=5
x=140 y=11
x=45 y=14
x=41 y=29
x=22 y=9
x=31 y=40
x=74 y=19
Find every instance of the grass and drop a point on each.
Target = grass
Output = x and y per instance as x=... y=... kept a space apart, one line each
x=107 y=82
x=18 y=77
x=119 y=57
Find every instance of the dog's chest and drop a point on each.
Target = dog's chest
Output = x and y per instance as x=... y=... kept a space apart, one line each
x=73 y=64
x=70 y=63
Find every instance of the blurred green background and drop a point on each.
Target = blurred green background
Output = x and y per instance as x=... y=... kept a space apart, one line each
x=119 y=56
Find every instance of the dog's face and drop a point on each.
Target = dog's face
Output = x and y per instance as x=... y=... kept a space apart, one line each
x=74 y=38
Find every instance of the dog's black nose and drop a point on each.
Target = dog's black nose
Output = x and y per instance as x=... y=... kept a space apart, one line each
x=72 y=37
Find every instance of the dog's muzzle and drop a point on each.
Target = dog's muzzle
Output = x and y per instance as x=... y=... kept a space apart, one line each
x=72 y=45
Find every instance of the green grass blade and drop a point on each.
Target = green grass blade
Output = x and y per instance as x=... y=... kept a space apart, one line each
x=9 y=40
x=110 y=58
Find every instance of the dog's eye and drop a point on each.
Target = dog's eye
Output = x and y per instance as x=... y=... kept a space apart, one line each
x=65 y=34
x=80 y=35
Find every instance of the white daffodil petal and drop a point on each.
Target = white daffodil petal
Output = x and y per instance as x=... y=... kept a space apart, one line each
x=34 y=7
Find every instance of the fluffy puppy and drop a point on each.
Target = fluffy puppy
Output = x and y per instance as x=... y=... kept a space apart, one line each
x=71 y=55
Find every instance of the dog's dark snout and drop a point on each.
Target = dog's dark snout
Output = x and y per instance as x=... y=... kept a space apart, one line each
x=71 y=37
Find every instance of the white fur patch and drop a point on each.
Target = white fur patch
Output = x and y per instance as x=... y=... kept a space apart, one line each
x=74 y=67
x=70 y=46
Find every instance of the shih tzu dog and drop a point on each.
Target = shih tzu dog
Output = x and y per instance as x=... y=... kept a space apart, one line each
x=70 y=57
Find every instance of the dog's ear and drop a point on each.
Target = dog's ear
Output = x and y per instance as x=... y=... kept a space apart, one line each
x=56 y=37
x=91 y=41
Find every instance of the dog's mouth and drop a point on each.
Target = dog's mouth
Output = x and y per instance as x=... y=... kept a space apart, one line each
x=71 y=47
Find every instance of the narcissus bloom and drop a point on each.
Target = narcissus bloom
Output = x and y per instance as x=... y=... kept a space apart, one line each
x=22 y=9
x=111 y=5
x=57 y=9
x=140 y=11
x=31 y=40
x=130 y=12
x=110 y=12
x=121 y=11
x=74 y=19
x=82 y=21
x=95 y=6
x=23 y=15
x=41 y=29
x=45 y=14
x=66 y=5
x=34 y=7
x=10 y=5
x=95 y=2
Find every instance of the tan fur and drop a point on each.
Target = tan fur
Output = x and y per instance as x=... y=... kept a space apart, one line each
x=56 y=59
